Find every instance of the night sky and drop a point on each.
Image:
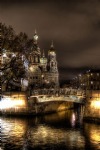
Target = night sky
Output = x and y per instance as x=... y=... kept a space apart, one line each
x=73 y=25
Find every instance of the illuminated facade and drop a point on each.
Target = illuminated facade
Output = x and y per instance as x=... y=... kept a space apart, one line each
x=89 y=80
x=42 y=71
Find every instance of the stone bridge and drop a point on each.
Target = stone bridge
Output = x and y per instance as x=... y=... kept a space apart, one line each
x=41 y=101
x=61 y=94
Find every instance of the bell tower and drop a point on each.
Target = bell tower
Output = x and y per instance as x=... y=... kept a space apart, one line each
x=52 y=66
x=43 y=62
x=34 y=72
x=52 y=62
x=34 y=56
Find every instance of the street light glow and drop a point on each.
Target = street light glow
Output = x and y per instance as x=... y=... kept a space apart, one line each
x=95 y=104
x=8 y=103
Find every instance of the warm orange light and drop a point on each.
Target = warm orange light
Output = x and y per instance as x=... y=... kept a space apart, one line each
x=31 y=68
x=95 y=104
x=9 y=103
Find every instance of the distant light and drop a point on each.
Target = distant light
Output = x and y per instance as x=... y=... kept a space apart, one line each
x=4 y=55
x=91 y=82
x=46 y=81
x=80 y=75
x=31 y=68
x=13 y=55
x=42 y=75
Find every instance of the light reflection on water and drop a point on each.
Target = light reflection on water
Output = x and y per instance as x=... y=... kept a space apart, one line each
x=64 y=130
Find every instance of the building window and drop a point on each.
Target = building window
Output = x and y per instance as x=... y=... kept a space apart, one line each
x=91 y=82
x=36 y=59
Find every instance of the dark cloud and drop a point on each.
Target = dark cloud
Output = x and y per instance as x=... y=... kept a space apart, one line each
x=74 y=25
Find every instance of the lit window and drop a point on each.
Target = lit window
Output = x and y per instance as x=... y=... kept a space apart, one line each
x=36 y=59
x=91 y=82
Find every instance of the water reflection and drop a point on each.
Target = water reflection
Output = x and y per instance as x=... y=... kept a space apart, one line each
x=92 y=132
x=64 y=130
x=73 y=119
x=12 y=132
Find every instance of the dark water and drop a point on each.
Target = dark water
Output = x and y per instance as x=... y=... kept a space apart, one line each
x=62 y=131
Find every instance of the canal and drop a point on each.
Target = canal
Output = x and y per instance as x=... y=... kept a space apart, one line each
x=60 y=131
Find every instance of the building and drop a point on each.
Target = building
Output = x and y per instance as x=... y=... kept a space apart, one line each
x=89 y=80
x=42 y=70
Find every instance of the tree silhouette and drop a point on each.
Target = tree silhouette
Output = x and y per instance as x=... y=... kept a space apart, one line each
x=13 y=69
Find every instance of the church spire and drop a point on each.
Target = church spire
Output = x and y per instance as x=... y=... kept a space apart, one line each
x=35 y=32
x=52 y=46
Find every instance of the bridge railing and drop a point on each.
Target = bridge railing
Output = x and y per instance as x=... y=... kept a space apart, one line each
x=59 y=92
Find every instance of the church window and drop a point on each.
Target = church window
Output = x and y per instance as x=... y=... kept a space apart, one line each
x=36 y=59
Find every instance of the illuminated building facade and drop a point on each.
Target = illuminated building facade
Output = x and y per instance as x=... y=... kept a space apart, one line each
x=89 y=80
x=42 y=72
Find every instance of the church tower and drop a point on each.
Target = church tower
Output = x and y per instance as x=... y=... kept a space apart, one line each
x=43 y=62
x=34 y=72
x=34 y=56
x=52 y=62
x=52 y=66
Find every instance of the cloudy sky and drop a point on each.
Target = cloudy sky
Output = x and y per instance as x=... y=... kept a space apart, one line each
x=73 y=25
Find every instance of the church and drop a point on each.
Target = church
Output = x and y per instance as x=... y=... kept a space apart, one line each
x=42 y=71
